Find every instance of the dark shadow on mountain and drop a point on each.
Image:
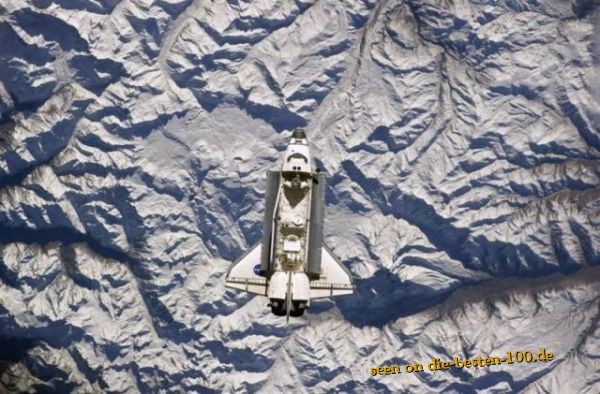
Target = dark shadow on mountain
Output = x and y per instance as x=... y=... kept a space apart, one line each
x=257 y=27
x=97 y=6
x=53 y=142
x=121 y=113
x=50 y=28
x=504 y=259
x=26 y=95
x=439 y=230
x=372 y=384
x=280 y=118
x=592 y=256
x=12 y=46
x=173 y=8
x=583 y=8
x=382 y=133
x=309 y=93
x=68 y=259
x=490 y=379
x=460 y=388
x=55 y=379
x=214 y=235
x=81 y=169
x=55 y=333
x=586 y=130
x=478 y=253
x=164 y=323
x=242 y=359
x=64 y=236
x=259 y=329
x=82 y=364
x=13 y=350
x=172 y=190
x=395 y=143
x=95 y=74
x=18 y=168
x=139 y=130
x=514 y=90
x=387 y=298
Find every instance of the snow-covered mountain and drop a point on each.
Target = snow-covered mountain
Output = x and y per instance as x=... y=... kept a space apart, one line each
x=462 y=141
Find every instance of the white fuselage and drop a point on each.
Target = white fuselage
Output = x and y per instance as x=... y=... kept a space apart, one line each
x=291 y=265
x=291 y=226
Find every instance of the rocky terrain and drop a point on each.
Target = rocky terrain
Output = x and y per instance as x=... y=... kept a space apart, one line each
x=462 y=143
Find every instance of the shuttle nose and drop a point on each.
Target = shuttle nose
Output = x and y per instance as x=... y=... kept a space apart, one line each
x=299 y=134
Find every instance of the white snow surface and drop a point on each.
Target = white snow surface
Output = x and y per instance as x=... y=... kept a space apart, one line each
x=462 y=143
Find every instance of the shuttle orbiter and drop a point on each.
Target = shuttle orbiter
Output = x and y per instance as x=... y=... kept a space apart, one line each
x=291 y=265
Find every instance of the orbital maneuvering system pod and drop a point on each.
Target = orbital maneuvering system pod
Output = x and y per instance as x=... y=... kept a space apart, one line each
x=291 y=265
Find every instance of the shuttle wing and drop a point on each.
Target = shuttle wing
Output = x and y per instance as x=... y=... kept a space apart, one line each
x=335 y=278
x=244 y=273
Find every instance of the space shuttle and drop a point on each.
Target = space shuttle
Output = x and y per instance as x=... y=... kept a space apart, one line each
x=291 y=265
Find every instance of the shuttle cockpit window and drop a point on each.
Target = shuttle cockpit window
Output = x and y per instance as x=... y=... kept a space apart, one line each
x=297 y=156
